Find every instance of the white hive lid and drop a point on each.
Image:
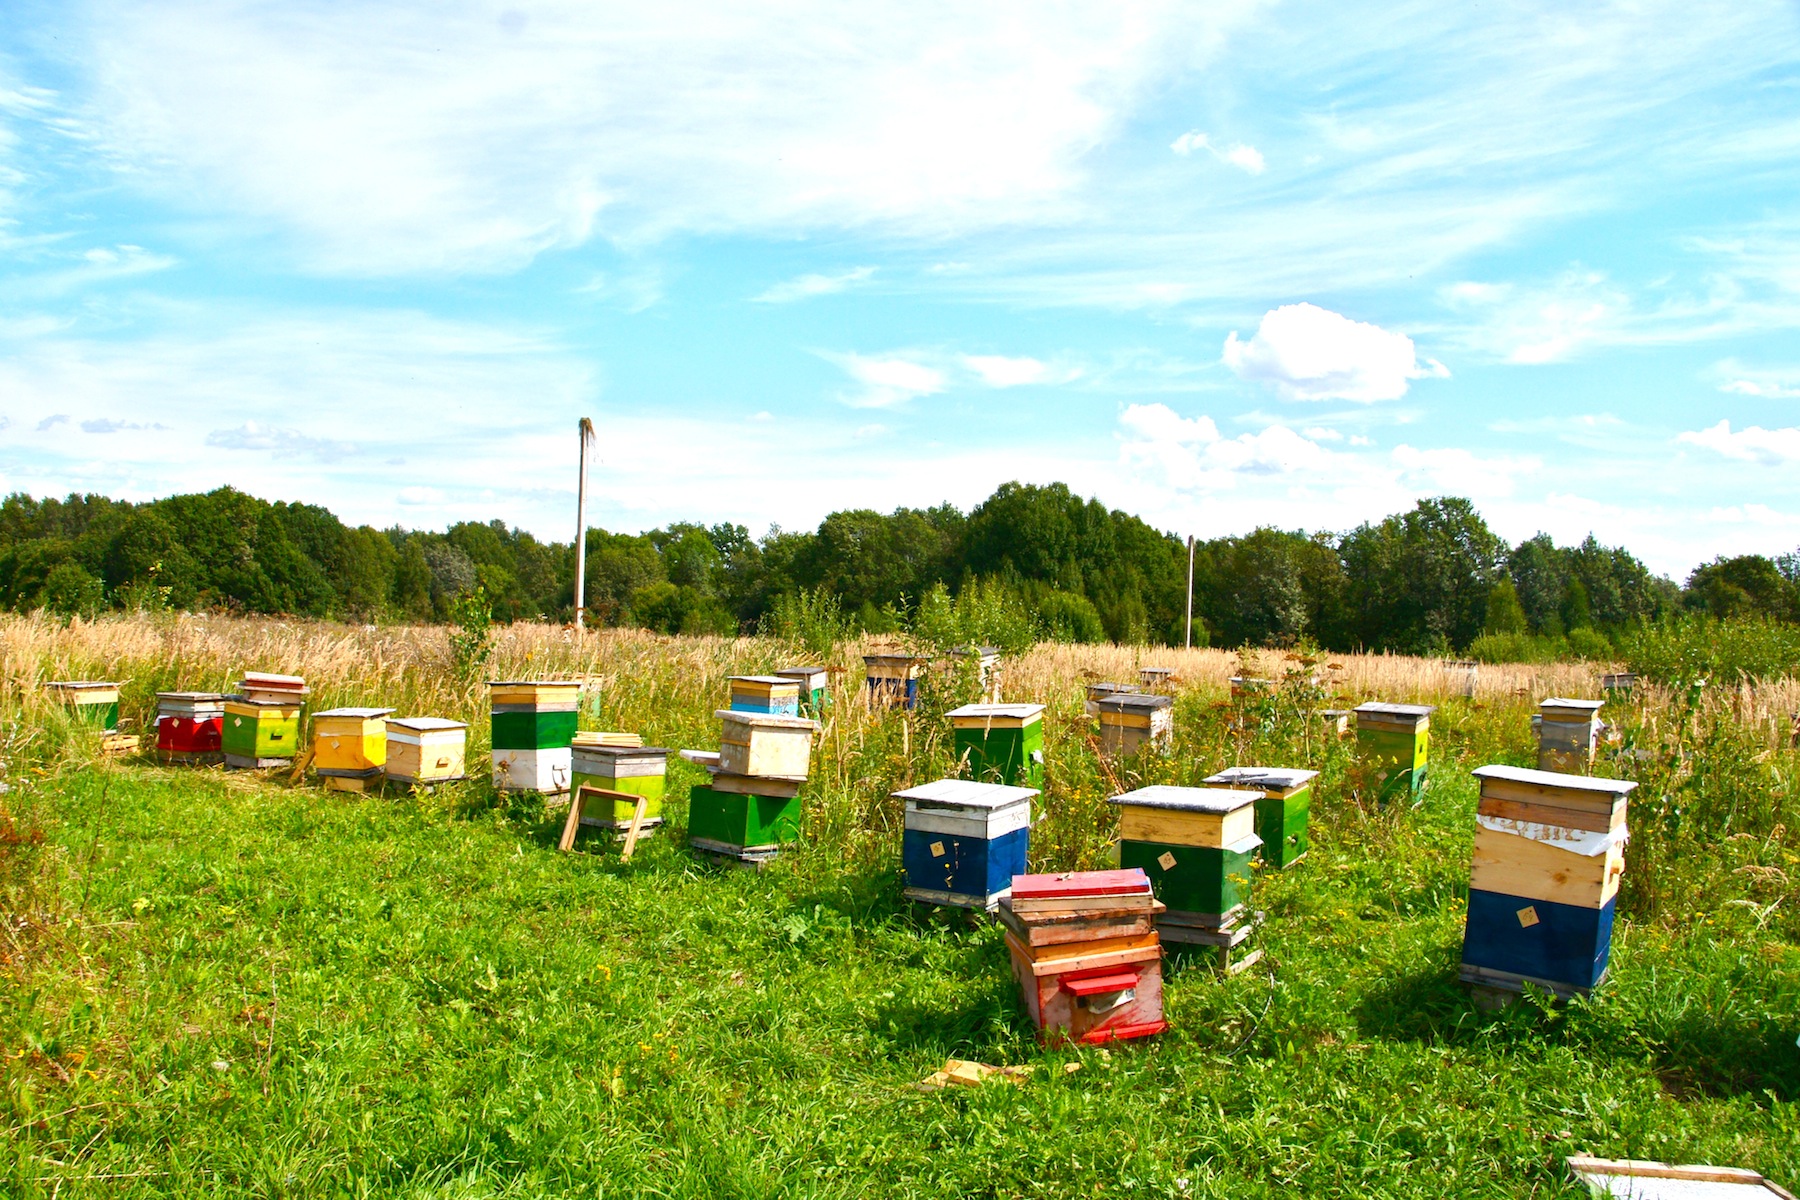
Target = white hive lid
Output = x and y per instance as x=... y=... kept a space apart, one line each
x=1396 y=710
x=1020 y=712
x=1188 y=799
x=964 y=793
x=1284 y=777
x=1555 y=779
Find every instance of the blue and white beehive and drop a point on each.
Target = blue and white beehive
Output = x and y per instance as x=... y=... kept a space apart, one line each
x=964 y=841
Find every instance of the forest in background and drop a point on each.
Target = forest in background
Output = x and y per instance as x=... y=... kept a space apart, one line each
x=1051 y=565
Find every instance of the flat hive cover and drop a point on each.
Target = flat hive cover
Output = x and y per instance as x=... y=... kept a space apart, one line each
x=1555 y=779
x=1125 y=701
x=965 y=793
x=1281 y=777
x=769 y=679
x=1188 y=799
x=1396 y=710
x=1072 y=884
x=627 y=751
x=1016 y=711
x=765 y=720
x=534 y=683
x=366 y=714
x=80 y=683
x=1562 y=702
x=426 y=724
x=200 y=697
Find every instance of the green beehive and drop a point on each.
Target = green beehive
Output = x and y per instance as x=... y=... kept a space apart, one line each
x=1196 y=844
x=637 y=770
x=1394 y=739
x=815 y=689
x=1281 y=814
x=740 y=825
x=1001 y=743
x=260 y=733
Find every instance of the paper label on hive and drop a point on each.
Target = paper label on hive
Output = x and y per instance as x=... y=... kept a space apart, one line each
x=237 y=720
x=1587 y=843
x=1527 y=917
x=937 y=849
x=1166 y=860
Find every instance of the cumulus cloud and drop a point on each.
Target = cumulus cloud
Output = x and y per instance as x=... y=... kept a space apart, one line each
x=999 y=371
x=1306 y=352
x=1189 y=452
x=805 y=287
x=52 y=421
x=1752 y=444
x=885 y=382
x=1244 y=157
x=1462 y=472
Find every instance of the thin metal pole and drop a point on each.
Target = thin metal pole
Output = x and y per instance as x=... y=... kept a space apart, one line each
x=1189 y=643
x=587 y=435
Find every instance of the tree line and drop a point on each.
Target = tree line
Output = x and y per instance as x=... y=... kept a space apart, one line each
x=1432 y=580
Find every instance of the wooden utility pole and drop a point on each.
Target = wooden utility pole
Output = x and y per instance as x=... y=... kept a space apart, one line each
x=587 y=438
x=1188 y=644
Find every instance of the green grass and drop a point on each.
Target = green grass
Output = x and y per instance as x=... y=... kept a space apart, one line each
x=223 y=986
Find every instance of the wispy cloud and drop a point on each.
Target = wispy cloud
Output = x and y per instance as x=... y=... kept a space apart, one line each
x=1773 y=383
x=805 y=287
x=1310 y=353
x=1244 y=157
x=885 y=381
x=1001 y=371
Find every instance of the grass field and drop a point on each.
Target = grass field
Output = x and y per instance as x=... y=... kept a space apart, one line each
x=235 y=986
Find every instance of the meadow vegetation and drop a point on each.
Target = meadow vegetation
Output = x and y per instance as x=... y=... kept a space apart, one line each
x=230 y=985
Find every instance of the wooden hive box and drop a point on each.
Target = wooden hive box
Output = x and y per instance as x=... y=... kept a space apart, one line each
x=1097 y=692
x=765 y=694
x=764 y=744
x=1195 y=845
x=1095 y=989
x=350 y=743
x=1131 y=720
x=1283 y=812
x=425 y=751
x=1568 y=734
x=91 y=702
x=260 y=733
x=1337 y=720
x=1000 y=743
x=1462 y=675
x=264 y=685
x=1549 y=853
x=893 y=679
x=964 y=841
x=1396 y=740
x=741 y=825
x=815 y=689
x=190 y=726
x=534 y=723
x=637 y=770
x=987 y=668
x=1618 y=681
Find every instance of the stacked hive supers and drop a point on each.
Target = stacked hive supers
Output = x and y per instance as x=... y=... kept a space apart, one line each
x=1568 y=732
x=1000 y=743
x=752 y=806
x=1085 y=952
x=189 y=727
x=1549 y=853
x=600 y=761
x=350 y=747
x=1129 y=721
x=964 y=841
x=424 y=752
x=534 y=724
x=1396 y=740
x=1196 y=846
x=1283 y=812
x=262 y=722
x=765 y=694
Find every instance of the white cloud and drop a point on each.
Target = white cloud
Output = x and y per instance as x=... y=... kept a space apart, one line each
x=807 y=286
x=1160 y=423
x=1190 y=453
x=1553 y=322
x=1311 y=353
x=999 y=371
x=1753 y=444
x=393 y=137
x=887 y=381
x=1245 y=158
x=1771 y=383
x=1460 y=472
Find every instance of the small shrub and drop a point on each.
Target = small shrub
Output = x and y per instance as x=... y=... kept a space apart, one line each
x=1694 y=647
x=813 y=619
x=471 y=641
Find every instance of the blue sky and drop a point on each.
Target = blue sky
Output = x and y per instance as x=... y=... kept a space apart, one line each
x=1220 y=265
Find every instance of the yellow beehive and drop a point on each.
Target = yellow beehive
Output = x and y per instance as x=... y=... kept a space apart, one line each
x=350 y=739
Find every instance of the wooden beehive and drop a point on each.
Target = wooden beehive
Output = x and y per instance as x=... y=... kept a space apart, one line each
x=190 y=727
x=1283 y=812
x=1396 y=740
x=1000 y=743
x=1154 y=678
x=263 y=685
x=1618 y=681
x=893 y=679
x=1462 y=675
x=1196 y=846
x=350 y=743
x=765 y=694
x=1336 y=720
x=259 y=734
x=1568 y=733
x=1100 y=987
x=766 y=745
x=815 y=689
x=743 y=826
x=1549 y=853
x=91 y=702
x=534 y=723
x=1129 y=721
x=987 y=668
x=425 y=751
x=634 y=770
x=964 y=841
x=1244 y=687
x=1097 y=692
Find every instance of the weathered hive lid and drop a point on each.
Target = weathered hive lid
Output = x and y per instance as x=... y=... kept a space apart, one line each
x=80 y=685
x=1396 y=711
x=1098 y=689
x=1266 y=777
x=983 y=651
x=192 y=697
x=1187 y=799
x=964 y=793
x=1133 y=701
x=1587 y=706
x=364 y=714
x=802 y=672
x=705 y=758
x=892 y=658
x=426 y=724
x=265 y=679
x=264 y=701
x=1075 y=884
x=623 y=753
x=1555 y=780
x=1003 y=712
x=766 y=720
x=1156 y=670
x=589 y=738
